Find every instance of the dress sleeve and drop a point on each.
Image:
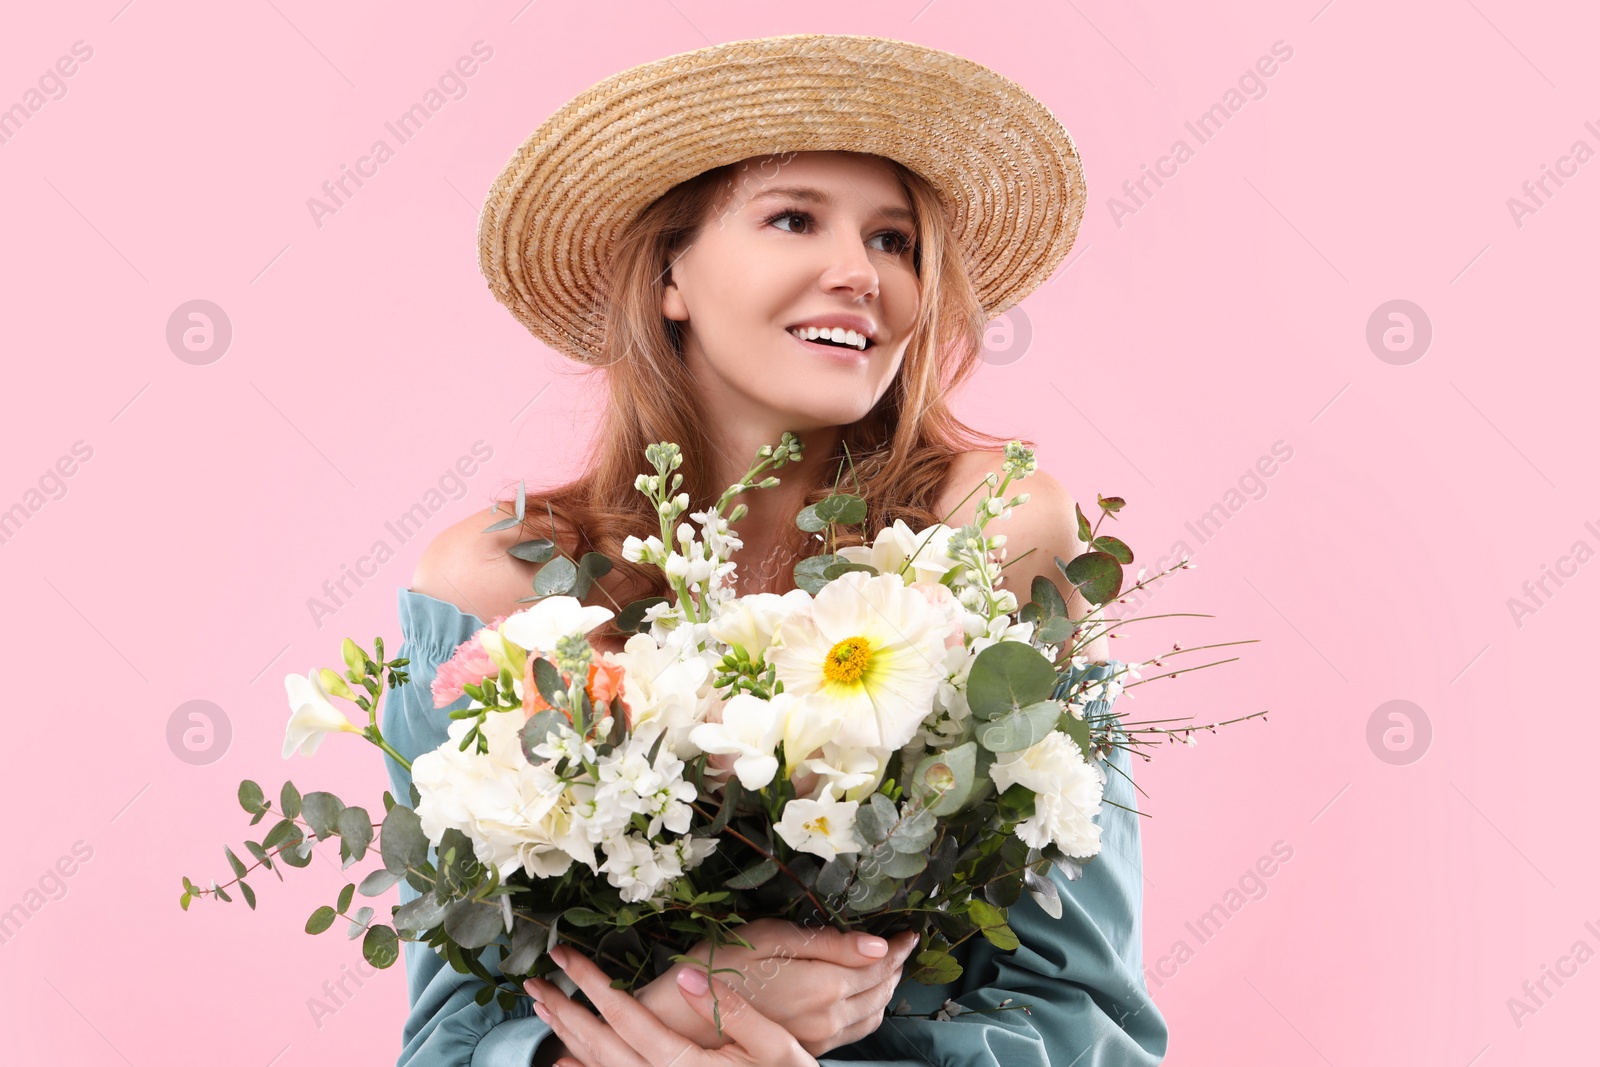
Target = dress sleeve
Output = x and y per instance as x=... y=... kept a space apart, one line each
x=444 y=1027
x=1080 y=975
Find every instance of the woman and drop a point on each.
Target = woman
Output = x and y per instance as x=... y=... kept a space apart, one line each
x=759 y=194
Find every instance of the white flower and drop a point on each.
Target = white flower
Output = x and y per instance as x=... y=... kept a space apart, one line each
x=750 y=727
x=517 y=815
x=821 y=827
x=893 y=545
x=657 y=791
x=312 y=715
x=664 y=691
x=846 y=773
x=871 y=646
x=538 y=628
x=1067 y=793
x=633 y=867
x=750 y=621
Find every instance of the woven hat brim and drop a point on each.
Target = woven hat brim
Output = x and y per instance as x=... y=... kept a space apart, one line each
x=1006 y=169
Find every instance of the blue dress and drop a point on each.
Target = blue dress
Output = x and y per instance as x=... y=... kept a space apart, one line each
x=1080 y=974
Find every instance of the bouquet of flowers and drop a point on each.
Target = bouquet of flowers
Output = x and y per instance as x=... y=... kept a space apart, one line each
x=894 y=744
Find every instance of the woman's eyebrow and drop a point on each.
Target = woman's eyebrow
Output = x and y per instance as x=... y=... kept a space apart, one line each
x=805 y=192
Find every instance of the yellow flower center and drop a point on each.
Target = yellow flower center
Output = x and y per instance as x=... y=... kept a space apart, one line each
x=819 y=825
x=848 y=660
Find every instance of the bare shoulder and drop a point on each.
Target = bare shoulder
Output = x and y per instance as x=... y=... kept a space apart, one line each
x=1037 y=533
x=468 y=565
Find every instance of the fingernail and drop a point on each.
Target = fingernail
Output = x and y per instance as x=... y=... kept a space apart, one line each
x=542 y=1012
x=875 y=947
x=692 y=980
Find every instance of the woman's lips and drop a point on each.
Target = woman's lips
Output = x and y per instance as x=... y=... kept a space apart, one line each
x=847 y=357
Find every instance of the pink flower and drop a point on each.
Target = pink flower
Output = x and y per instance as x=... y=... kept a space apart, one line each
x=468 y=665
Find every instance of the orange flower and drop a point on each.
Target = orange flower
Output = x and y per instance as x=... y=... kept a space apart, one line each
x=605 y=682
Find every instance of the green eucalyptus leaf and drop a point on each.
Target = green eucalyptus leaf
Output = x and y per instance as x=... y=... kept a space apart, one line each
x=632 y=619
x=234 y=862
x=289 y=800
x=1084 y=532
x=936 y=967
x=527 y=945
x=283 y=833
x=835 y=874
x=473 y=924
x=757 y=874
x=1043 y=891
x=381 y=946
x=538 y=550
x=320 y=920
x=556 y=578
x=592 y=565
x=420 y=915
x=547 y=679
x=321 y=811
x=358 y=923
x=250 y=797
x=1097 y=575
x=583 y=917
x=404 y=845
x=1048 y=597
x=378 y=882
x=346 y=895
x=1115 y=548
x=808 y=573
x=957 y=777
x=249 y=895
x=1008 y=675
x=1002 y=937
x=1078 y=730
x=1055 y=630
x=539 y=727
x=355 y=830
x=913 y=832
x=1020 y=729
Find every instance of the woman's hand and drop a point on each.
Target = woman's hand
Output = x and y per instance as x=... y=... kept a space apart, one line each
x=630 y=1035
x=814 y=981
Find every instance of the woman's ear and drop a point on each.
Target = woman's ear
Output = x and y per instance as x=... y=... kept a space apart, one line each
x=672 y=305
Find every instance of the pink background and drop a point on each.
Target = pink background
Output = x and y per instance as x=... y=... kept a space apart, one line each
x=1225 y=314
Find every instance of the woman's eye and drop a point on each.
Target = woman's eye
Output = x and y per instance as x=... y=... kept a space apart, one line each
x=899 y=243
x=791 y=215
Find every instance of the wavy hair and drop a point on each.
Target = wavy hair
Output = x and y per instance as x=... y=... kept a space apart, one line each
x=899 y=452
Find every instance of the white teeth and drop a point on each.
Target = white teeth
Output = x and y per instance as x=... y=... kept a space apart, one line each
x=837 y=335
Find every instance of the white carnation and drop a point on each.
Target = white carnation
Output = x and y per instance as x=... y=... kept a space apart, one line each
x=1067 y=793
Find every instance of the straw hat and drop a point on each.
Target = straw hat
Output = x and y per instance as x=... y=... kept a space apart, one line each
x=1006 y=169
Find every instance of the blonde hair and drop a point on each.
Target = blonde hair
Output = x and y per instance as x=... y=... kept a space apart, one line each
x=899 y=452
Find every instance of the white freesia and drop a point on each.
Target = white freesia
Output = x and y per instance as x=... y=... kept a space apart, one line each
x=517 y=814
x=1067 y=793
x=540 y=627
x=893 y=545
x=751 y=620
x=871 y=646
x=750 y=728
x=821 y=827
x=312 y=715
x=845 y=773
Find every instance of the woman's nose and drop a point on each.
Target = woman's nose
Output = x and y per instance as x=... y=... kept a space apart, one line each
x=852 y=269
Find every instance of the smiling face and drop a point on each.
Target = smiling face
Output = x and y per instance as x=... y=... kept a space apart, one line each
x=824 y=238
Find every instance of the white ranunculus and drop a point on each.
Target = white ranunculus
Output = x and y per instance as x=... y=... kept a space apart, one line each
x=751 y=620
x=1067 y=793
x=928 y=549
x=541 y=626
x=751 y=729
x=821 y=827
x=517 y=815
x=312 y=715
